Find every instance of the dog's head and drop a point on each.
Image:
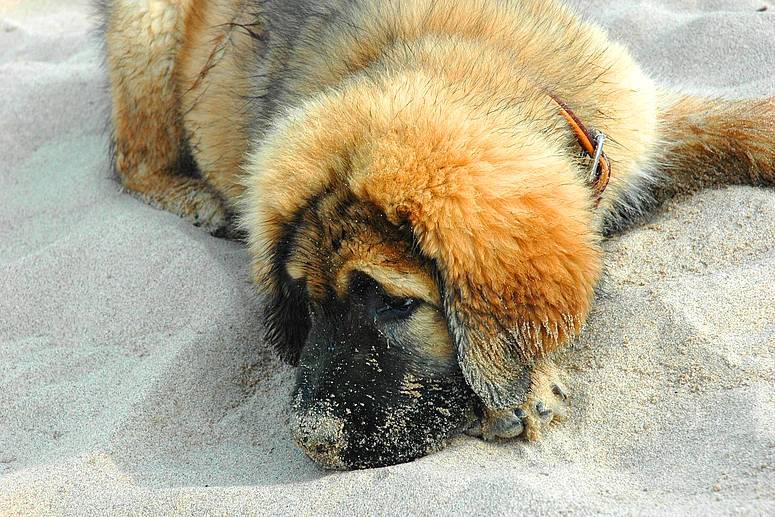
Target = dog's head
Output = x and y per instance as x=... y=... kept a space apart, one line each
x=417 y=257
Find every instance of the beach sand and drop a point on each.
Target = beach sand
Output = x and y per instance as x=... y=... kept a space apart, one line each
x=133 y=379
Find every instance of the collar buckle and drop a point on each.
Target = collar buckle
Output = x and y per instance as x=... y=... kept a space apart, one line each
x=591 y=142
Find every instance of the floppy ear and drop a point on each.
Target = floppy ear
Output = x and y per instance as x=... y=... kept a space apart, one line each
x=517 y=254
x=286 y=313
x=287 y=318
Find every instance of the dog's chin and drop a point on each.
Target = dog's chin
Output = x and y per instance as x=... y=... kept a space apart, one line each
x=341 y=436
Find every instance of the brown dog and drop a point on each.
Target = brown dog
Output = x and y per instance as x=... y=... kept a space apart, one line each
x=424 y=185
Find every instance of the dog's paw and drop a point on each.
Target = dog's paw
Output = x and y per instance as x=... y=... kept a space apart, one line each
x=206 y=210
x=546 y=403
x=229 y=229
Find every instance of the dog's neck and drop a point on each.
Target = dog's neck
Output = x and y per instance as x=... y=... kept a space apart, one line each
x=591 y=142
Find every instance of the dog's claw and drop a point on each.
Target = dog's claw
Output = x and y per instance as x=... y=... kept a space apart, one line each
x=502 y=424
x=546 y=403
x=543 y=411
x=557 y=390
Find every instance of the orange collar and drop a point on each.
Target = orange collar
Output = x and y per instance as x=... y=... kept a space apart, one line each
x=591 y=143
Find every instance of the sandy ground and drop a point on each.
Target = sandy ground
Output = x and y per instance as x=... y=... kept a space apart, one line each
x=132 y=378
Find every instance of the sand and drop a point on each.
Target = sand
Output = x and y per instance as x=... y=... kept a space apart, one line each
x=133 y=379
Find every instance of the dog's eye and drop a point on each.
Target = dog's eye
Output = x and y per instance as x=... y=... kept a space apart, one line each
x=396 y=308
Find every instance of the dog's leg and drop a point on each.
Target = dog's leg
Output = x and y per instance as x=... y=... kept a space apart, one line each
x=712 y=142
x=143 y=39
x=546 y=403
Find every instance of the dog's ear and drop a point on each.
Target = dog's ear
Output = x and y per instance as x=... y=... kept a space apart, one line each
x=286 y=307
x=517 y=255
x=286 y=317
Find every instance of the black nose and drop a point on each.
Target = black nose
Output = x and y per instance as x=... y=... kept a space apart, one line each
x=322 y=438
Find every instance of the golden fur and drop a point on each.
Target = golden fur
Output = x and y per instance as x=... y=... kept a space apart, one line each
x=434 y=118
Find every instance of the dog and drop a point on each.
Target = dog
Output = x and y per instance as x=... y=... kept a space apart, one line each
x=423 y=186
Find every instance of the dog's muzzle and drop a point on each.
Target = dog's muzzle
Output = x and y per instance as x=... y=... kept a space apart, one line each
x=321 y=437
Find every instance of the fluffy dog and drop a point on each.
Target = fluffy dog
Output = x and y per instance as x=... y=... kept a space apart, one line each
x=423 y=186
